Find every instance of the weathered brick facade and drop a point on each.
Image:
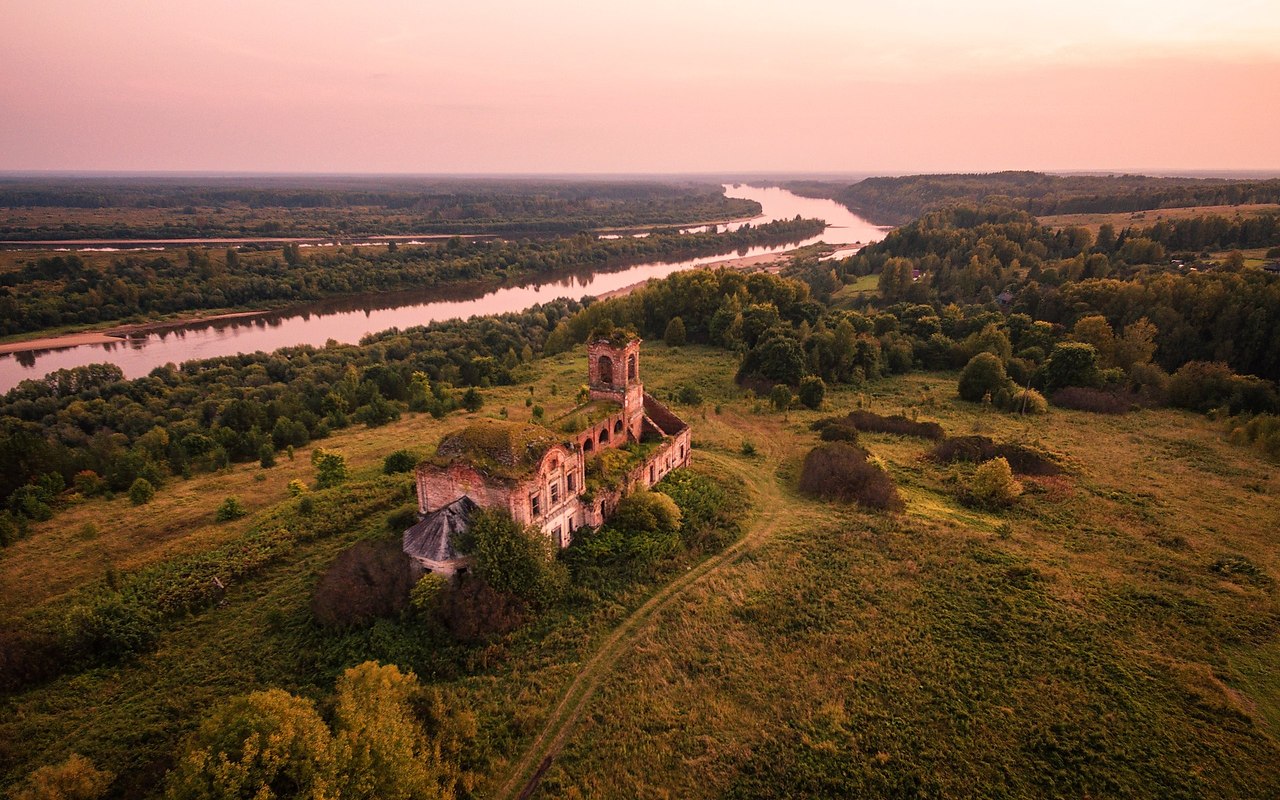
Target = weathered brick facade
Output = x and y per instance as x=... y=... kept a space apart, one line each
x=550 y=493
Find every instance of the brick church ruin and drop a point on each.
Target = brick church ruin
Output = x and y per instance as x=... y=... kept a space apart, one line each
x=559 y=477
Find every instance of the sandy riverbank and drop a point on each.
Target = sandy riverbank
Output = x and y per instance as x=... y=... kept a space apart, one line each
x=114 y=334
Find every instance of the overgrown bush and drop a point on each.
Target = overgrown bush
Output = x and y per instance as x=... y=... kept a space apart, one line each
x=331 y=468
x=231 y=508
x=75 y=778
x=514 y=559
x=1081 y=398
x=1262 y=431
x=366 y=581
x=812 y=391
x=839 y=471
x=836 y=429
x=871 y=422
x=1028 y=401
x=978 y=449
x=141 y=492
x=399 y=461
x=472 y=611
x=992 y=486
x=984 y=375
x=1203 y=386
x=108 y=629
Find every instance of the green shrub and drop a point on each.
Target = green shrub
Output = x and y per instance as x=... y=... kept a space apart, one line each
x=399 y=461
x=402 y=518
x=267 y=456
x=993 y=485
x=230 y=509
x=297 y=488
x=425 y=596
x=513 y=559
x=812 y=391
x=141 y=492
x=331 y=468
x=108 y=630
x=1028 y=401
x=472 y=400
x=675 y=333
x=748 y=447
x=1071 y=364
x=780 y=397
x=75 y=778
x=983 y=375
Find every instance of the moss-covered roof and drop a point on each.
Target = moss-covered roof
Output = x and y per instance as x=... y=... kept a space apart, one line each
x=587 y=414
x=497 y=447
x=616 y=337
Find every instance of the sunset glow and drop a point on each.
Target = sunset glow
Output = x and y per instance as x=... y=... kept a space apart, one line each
x=588 y=87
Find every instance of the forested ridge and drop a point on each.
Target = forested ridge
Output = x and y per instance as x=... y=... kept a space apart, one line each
x=56 y=208
x=58 y=290
x=901 y=199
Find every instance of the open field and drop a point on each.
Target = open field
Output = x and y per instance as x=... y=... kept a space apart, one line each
x=1143 y=219
x=1113 y=635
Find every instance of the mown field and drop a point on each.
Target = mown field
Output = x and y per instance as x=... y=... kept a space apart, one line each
x=1115 y=634
x=1142 y=219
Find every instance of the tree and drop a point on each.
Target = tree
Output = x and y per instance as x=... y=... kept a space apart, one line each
x=265 y=745
x=399 y=461
x=472 y=400
x=1136 y=345
x=267 y=455
x=382 y=750
x=1095 y=330
x=513 y=559
x=675 y=334
x=780 y=397
x=1071 y=364
x=983 y=375
x=812 y=391
x=331 y=468
x=141 y=492
x=73 y=779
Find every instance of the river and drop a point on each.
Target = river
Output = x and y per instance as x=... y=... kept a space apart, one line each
x=348 y=319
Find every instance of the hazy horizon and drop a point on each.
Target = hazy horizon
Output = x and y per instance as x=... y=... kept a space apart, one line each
x=710 y=88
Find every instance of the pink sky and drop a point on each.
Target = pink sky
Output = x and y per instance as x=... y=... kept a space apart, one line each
x=660 y=86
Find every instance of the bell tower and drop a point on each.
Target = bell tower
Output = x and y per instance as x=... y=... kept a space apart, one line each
x=613 y=372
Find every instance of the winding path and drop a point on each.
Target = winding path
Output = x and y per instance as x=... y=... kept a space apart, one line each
x=762 y=485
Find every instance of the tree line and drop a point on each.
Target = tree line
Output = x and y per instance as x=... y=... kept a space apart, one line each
x=66 y=289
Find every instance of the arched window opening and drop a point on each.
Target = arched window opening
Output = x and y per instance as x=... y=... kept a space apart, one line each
x=604 y=435
x=605 y=369
x=588 y=445
x=617 y=426
x=631 y=367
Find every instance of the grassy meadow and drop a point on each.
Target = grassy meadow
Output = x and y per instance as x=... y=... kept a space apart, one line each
x=1142 y=219
x=1114 y=634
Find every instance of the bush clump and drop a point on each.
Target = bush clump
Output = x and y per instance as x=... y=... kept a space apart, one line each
x=979 y=449
x=141 y=492
x=984 y=375
x=870 y=422
x=399 y=461
x=841 y=472
x=992 y=486
x=76 y=778
x=1098 y=401
x=366 y=581
x=230 y=509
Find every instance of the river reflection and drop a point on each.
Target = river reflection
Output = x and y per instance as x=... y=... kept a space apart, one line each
x=348 y=319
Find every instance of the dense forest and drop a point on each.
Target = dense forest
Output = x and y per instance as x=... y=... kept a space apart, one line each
x=178 y=208
x=66 y=289
x=899 y=200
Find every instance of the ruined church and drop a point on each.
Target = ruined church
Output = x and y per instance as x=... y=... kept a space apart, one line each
x=559 y=477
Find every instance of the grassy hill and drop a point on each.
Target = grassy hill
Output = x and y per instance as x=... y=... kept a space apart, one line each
x=1115 y=634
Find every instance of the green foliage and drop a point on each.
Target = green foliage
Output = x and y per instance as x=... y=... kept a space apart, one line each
x=514 y=560
x=780 y=397
x=331 y=468
x=472 y=400
x=108 y=629
x=1071 y=364
x=231 y=508
x=266 y=456
x=812 y=391
x=424 y=597
x=297 y=488
x=265 y=745
x=141 y=492
x=75 y=778
x=1203 y=386
x=399 y=461
x=993 y=485
x=748 y=448
x=984 y=375
x=675 y=335
x=646 y=512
